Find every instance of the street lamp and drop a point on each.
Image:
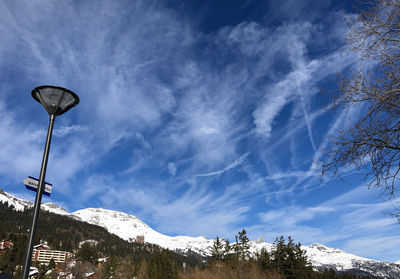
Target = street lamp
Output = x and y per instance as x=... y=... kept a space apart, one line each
x=56 y=101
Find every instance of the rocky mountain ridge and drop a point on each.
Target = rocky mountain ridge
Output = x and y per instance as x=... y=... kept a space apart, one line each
x=129 y=227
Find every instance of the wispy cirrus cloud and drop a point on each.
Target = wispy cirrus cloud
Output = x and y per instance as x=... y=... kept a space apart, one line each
x=346 y=218
x=234 y=164
x=196 y=132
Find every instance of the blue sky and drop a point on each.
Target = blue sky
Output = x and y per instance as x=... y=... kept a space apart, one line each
x=199 y=117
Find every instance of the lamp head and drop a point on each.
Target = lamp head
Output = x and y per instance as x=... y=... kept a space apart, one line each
x=56 y=100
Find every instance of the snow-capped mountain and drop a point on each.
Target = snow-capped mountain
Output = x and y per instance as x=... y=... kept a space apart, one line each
x=322 y=256
x=53 y=208
x=18 y=204
x=128 y=227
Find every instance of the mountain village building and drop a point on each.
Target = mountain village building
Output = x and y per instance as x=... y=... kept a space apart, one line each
x=140 y=239
x=42 y=253
x=6 y=244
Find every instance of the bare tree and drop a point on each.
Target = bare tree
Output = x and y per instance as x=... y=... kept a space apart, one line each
x=373 y=140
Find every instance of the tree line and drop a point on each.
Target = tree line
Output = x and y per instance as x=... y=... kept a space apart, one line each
x=285 y=260
x=147 y=261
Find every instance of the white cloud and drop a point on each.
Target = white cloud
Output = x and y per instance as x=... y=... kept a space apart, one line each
x=376 y=246
x=172 y=168
x=339 y=220
x=298 y=83
x=195 y=212
x=234 y=164
x=159 y=97
x=292 y=216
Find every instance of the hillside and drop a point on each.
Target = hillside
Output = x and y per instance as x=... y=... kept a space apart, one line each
x=64 y=232
x=116 y=232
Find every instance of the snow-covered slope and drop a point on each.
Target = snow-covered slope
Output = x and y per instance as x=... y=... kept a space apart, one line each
x=18 y=204
x=128 y=227
x=53 y=208
x=322 y=255
x=325 y=257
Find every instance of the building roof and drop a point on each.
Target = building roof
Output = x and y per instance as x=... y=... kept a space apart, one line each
x=33 y=271
x=88 y=274
x=42 y=245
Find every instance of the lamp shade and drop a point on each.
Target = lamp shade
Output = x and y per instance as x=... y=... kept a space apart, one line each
x=56 y=100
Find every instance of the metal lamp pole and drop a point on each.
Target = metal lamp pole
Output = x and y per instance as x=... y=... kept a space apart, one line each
x=56 y=100
x=38 y=200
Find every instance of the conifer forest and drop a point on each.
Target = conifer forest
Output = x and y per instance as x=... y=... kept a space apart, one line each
x=146 y=261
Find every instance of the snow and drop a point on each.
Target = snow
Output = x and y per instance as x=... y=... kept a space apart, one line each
x=18 y=204
x=89 y=241
x=53 y=208
x=33 y=271
x=321 y=255
x=129 y=227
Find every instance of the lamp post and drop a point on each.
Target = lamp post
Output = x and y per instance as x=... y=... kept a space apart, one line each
x=56 y=101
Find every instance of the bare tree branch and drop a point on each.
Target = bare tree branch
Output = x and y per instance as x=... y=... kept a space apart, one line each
x=373 y=140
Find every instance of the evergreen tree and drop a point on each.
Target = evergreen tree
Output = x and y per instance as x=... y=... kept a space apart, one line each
x=8 y=262
x=124 y=269
x=88 y=252
x=263 y=260
x=162 y=267
x=217 y=250
x=242 y=246
x=227 y=251
x=290 y=260
x=110 y=267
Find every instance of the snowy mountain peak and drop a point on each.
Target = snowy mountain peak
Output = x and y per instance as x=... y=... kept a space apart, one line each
x=107 y=213
x=53 y=208
x=119 y=223
x=324 y=248
x=129 y=227
x=322 y=255
x=18 y=204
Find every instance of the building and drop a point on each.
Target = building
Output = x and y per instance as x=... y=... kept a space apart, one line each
x=44 y=256
x=6 y=244
x=140 y=239
x=42 y=246
x=101 y=262
x=42 y=253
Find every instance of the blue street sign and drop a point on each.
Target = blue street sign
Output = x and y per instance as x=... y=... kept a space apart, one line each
x=32 y=184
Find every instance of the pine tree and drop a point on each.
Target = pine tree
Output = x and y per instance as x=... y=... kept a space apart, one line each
x=8 y=262
x=227 y=251
x=242 y=246
x=263 y=259
x=162 y=267
x=217 y=250
x=290 y=260
x=110 y=267
x=88 y=252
